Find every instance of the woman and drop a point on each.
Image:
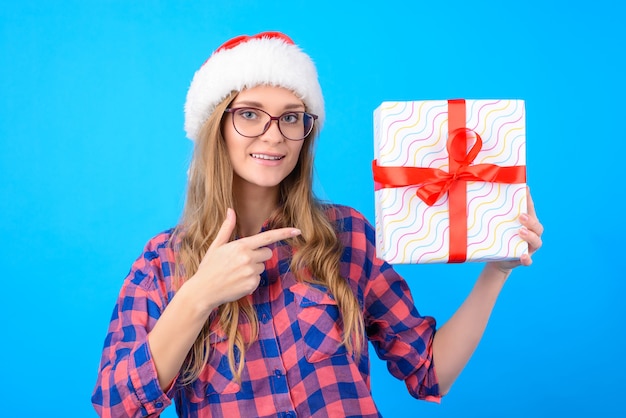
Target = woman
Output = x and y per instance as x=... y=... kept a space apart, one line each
x=261 y=302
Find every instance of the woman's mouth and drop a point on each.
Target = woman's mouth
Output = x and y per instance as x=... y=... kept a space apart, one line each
x=267 y=157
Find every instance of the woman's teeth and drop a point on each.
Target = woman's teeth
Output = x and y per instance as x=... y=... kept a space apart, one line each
x=266 y=157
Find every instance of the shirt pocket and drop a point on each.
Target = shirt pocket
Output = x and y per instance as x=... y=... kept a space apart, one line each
x=216 y=378
x=318 y=321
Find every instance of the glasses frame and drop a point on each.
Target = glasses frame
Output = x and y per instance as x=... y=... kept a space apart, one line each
x=232 y=110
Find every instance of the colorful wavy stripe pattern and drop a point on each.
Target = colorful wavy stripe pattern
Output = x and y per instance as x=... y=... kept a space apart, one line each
x=414 y=133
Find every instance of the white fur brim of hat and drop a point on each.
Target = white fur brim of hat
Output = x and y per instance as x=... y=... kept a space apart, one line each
x=258 y=61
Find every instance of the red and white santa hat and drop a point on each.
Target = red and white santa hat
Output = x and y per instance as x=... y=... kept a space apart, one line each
x=268 y=58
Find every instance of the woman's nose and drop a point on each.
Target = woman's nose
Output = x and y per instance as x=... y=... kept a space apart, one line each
x=273 y=132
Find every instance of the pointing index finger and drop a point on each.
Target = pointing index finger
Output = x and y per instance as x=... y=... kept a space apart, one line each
x=269 y=237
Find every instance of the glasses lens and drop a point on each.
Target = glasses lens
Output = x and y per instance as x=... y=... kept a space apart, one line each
x=295 y=125
x=250 y=122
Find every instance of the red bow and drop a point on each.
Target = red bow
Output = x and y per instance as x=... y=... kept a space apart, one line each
x=432 y=183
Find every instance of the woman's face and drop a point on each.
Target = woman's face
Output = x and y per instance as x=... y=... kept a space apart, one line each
x=262 y=161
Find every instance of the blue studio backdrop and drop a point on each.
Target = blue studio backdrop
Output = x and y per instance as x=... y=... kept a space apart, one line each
x=93 y=162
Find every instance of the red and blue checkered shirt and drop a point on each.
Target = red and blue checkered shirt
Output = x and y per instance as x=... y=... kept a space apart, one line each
x=297 y=366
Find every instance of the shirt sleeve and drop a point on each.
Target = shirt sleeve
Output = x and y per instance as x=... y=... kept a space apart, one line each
x=127 y=383
x=399 y=334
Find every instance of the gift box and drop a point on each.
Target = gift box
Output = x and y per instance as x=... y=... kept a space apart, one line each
x=450 y=180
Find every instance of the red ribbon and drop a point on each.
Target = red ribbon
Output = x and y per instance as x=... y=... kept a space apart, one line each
x=432 y=183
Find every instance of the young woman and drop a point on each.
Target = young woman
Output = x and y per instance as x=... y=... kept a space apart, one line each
x=262 y=301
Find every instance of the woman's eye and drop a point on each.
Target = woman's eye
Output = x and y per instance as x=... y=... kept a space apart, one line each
x=247 y=114
x=290 y=118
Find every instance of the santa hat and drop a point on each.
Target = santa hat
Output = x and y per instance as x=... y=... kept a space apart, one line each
x=268 y=58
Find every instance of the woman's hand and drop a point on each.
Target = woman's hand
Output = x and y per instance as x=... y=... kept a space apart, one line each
x=231 y=270
x=530 y=232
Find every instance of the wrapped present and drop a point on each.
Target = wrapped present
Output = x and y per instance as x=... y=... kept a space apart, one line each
x=450 y=180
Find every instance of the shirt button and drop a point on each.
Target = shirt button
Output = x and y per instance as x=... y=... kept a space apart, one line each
x=278 y=373
x=159 y=404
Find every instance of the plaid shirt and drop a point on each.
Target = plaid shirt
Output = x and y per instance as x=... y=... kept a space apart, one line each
x=297 y=366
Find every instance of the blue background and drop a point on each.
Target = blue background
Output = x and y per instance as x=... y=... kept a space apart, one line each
x=93 y=161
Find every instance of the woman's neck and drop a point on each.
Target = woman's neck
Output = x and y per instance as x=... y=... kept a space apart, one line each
x=254 y=206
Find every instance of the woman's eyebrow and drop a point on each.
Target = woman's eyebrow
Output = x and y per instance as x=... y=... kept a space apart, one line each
x=252 y=103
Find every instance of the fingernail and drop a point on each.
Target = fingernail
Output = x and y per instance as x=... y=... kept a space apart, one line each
x=295 y=232
x=523 y=232
x=523 y=217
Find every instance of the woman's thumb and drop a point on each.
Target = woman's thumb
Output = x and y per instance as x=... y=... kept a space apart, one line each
x=226 y=230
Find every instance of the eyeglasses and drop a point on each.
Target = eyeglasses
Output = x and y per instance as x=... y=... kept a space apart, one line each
x=252 y=122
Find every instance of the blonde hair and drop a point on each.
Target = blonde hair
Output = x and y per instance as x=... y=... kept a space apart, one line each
x=209 y=194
